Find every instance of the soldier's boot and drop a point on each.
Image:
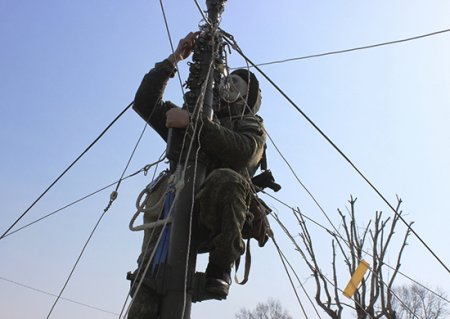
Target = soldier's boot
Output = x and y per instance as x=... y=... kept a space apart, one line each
x=218 y=280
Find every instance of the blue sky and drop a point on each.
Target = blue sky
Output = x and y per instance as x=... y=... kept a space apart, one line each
x=68 y=68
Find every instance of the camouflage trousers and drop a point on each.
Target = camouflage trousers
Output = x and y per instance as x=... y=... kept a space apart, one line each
x=222 y=208
x=223 y=202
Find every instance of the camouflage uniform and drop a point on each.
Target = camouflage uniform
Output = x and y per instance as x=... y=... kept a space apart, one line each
x=234 y=146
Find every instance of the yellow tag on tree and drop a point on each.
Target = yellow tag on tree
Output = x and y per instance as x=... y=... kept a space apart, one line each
x=356 y=279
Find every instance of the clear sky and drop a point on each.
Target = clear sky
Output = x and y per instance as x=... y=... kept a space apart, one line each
x=69 y=67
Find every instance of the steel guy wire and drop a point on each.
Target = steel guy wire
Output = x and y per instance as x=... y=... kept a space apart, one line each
x=301 y=183
x=67 y=169
x=371 y=46
x=130 y=158
x=53 y=295
x=202 y=12
x=301 y=285
x=233 y=43
x=77 y=261
x=171 y=42
x=340 y=236
x=282 y=258
x=144 y=169
x=404 y=305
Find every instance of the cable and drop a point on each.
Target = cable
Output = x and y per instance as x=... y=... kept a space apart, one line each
x=353 y=49
x=53 y=295
x=67 y=169
x=235 y=46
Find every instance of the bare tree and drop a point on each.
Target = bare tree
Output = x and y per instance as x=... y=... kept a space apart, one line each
x=374 y=297
x=271 y=309
x=414 y=301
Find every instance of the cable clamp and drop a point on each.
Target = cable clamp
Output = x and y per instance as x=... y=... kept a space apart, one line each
x=113 y=195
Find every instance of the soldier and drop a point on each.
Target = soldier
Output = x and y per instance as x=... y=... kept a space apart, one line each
x=234 y=144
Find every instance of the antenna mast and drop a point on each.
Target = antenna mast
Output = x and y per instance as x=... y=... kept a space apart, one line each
x=181 y=285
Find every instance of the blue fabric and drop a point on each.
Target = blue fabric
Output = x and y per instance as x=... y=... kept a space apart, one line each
x=163 y=247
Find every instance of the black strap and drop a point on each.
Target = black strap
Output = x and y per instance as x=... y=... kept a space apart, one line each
x=263 y=161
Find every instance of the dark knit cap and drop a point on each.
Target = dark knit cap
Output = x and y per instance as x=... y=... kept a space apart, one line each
x=252 y=81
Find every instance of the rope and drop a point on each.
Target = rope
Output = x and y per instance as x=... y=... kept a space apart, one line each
x=234 y=45
x=67 y=169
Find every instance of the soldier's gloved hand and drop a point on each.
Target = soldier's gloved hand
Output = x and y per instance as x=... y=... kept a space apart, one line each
x=184 y=48
x=177 y=118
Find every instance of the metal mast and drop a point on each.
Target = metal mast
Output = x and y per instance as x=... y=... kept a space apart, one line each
x=180 y=285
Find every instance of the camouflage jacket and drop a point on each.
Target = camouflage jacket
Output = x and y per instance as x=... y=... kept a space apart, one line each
x=237 y=143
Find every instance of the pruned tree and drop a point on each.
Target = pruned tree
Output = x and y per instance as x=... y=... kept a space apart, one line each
x=373 y=299
x=414 y=301
x=271 y=309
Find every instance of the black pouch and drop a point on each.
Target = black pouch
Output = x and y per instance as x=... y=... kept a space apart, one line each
x=257 y=226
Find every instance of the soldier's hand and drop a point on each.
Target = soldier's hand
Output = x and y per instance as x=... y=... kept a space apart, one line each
x=184 y=48
x=177 y=118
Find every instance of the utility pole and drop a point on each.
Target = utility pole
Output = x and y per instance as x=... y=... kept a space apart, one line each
x=180 y=285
